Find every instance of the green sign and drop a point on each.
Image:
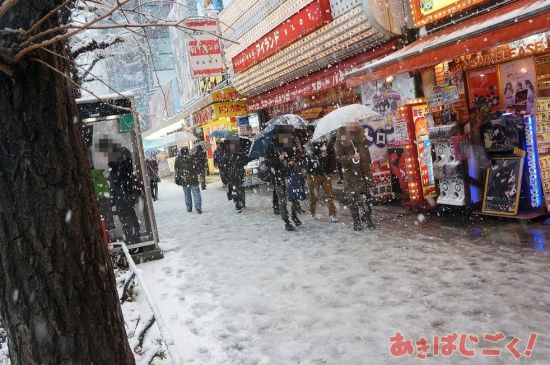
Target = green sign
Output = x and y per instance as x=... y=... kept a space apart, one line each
x=126 y=122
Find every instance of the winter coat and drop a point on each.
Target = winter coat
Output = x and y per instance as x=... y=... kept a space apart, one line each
x=123 y=186
x=186 y=170
x=219 y=158
x=279 y=169
x=315 y=164
x=357 y=176
x=202 y=159
x=152 y=169
x=235 y=168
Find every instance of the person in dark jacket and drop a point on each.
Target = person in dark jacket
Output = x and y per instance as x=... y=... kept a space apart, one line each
x=153 y=173
x=220 y=161
x=124 y=191
x=318 y=176
x=278 y=160
x=236 y=161
x=202 y=161
x=354 y=155
x=186 y=175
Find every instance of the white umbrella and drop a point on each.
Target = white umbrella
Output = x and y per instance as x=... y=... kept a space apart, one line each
x=346 y=115
x=178 y=139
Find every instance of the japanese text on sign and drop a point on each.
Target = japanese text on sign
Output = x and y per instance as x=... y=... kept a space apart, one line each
x=465 y=344
x=303 y=22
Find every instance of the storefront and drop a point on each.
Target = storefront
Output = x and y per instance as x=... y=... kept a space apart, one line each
x=477 y=131
x=218 y=115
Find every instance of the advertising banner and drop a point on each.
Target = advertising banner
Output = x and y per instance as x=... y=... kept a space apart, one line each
x=203 y=45
x=429 y=11
x=483 y=88
x=308 y=19
x=542 y=123
x=444 y=95
x=518 y=80
x=502 y=186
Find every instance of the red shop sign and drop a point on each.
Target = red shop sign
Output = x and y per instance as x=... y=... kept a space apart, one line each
x=316 y=82
x=305 y=21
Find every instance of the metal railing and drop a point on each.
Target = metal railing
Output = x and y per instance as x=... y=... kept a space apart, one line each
x=173 y=353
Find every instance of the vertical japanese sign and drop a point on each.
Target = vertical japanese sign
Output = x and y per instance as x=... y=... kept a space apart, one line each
x=204 y=48
x=542 y=123
x=424 y=148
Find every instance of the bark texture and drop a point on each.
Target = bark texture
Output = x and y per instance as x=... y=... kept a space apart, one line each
x=57 y=289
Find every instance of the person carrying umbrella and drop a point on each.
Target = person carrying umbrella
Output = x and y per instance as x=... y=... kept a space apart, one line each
x=318 y=176
x=220 y=161
x=278 y=159
x=354 y=155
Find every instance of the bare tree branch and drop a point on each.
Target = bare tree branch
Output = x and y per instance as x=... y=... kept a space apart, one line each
x=46 y=17
x=94 y=45
x=6 y=6
x=80 y=86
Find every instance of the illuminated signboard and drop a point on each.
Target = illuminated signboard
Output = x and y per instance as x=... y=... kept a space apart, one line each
x=308 y=19
x=429 y=11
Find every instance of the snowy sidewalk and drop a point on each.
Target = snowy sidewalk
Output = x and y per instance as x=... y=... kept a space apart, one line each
x=239 y=289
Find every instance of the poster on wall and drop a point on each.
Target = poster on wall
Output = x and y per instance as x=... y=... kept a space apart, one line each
x=375 y=140
x=483 y=88
x=420 y=121
x=502 y=186
x=426 y=166
x=385 y=97
x=398 y=169
x=518 y=80
x=543 y=144
x=444 y=95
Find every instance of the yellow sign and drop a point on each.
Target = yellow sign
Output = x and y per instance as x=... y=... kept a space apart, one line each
x=230 y=109
x=429 y=11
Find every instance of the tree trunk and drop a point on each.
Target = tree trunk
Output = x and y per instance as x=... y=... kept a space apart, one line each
x=57 y=289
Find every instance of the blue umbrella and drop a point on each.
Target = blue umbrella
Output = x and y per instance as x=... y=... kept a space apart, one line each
x=264 y=139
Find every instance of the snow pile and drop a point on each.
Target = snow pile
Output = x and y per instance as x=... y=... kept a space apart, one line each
x=4 y=351
x=239 y=289
x=138 y=317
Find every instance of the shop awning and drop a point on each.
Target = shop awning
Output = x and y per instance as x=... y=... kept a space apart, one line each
x=506 y=24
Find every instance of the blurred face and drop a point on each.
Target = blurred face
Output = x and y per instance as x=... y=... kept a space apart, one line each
x=233 y=148
x=350 y=133
x=285 y=140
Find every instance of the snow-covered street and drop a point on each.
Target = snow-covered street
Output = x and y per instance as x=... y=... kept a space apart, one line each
x=239 y=289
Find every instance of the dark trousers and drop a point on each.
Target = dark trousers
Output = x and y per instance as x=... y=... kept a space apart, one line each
x=129 y=220
x=281 y=197
x=237 y=193
x=154 y=187
x=275 y=199
x=358 y=202
x=223 y=175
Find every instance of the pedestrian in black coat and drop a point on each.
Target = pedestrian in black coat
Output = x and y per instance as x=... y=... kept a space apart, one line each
x=236 y=161
x=186 y=175
x=202 y=161
x=124 y=191
x=220 y=161
x=278 y=159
